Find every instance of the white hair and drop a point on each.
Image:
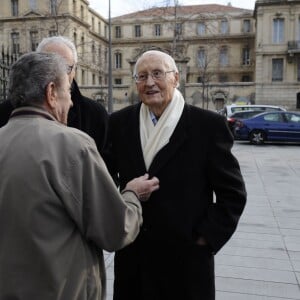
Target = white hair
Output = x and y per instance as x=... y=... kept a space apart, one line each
x=62 y=40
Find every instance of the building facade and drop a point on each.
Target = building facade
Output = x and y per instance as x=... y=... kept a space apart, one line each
x=24 y=23
x=278 y=52
x=213 y=46
x=225 y=54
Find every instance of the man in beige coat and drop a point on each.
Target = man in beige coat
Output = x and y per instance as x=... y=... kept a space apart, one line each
x=58 y=205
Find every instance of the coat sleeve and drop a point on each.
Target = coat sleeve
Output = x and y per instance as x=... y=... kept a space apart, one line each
x=228 y=185
x=106 y=217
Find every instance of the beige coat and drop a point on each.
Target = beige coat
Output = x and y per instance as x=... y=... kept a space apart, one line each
x=58 y=209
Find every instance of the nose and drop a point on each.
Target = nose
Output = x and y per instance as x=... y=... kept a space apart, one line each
x=150 y=80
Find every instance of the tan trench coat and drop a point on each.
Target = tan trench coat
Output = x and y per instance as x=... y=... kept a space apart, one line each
x=58 y=209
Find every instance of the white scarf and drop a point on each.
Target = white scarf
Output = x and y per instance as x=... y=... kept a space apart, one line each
x=153 y=138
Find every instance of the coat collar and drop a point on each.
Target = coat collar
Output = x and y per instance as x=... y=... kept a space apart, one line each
x=32 y=112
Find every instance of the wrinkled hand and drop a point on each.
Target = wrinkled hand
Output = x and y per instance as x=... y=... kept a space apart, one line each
x=143 y=186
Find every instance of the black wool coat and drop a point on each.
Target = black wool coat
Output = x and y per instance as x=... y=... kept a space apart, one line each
x=88 y=116
x=201 y=194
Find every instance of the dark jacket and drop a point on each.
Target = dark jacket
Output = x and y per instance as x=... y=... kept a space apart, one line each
x=86 y=114
x=196 y=164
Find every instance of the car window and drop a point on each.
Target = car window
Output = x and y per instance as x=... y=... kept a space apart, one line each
x=293 y=118
x=273 y=117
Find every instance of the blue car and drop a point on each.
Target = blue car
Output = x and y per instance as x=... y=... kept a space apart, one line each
x=269 y=126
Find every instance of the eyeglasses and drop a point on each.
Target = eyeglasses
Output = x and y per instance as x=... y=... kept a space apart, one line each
x=156 y=76
x=70 y=68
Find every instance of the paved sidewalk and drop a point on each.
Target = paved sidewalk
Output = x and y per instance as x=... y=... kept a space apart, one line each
x=262 y=260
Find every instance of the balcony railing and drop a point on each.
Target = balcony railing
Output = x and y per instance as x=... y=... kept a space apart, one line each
x=293 y=47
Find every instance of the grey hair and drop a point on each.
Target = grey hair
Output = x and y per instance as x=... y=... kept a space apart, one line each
x=30 y=75
x=62 y=40
x=168 y=60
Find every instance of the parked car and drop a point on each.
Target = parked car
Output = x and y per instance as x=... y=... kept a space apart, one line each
x=240 y=115
x=228 y=110
x=269 y=126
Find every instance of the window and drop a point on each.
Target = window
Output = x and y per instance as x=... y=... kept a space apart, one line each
x=223 y=59
x=298 y=69
x=277 y=69
x=100 y=55
x=93 y=24
x=223 y=78
x=81 y=12
x=118 y=60
x=178 y=29
x=105 y=31
x=118 y=81
x=82 y=44
x=246 y=78
x=93 y=79
x=53 y=33
x=246 y=56
x=273 y=118
x=93 y=49
x=200 y=79
x=99 y=27
x=32 y=4
x=14 y=8
x=106 y=55
x=278 y=31
x=137 y=31
x=201 y=59
x=293 y=118
x=246 y=26
x=224 y=27
x=15 y=40
x=82 y=77
x=157 y=30
x=74 y=7
x=201 y=28
x=34 y=40
x=75 y=38
x=53 y=7
x=118 y=31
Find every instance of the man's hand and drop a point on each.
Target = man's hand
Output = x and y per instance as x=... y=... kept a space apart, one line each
x=143 y=186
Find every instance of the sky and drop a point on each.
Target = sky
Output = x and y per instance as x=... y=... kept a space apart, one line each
x=123 y=7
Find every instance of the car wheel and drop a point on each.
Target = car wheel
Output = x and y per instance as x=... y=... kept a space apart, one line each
x=257 y=137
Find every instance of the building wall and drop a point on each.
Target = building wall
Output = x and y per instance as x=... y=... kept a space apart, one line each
x=281 y=92
x=72 y=18
x=88 y=30
x=185 y=48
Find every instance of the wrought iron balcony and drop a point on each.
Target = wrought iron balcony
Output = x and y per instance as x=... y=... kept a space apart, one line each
x=293 y=47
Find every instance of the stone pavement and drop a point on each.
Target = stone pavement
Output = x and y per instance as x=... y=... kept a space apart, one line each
x=262 y=259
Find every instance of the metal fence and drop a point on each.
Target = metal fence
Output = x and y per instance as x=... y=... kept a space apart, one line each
x=6 y=60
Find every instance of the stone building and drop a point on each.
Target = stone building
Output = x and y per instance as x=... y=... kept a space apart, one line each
x=213 y=46
x=278 y=52
x=24 y=23
x=225 y=54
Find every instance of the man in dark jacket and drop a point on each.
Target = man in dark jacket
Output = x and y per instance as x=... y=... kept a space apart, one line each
x=201 y=196
x=86 y=114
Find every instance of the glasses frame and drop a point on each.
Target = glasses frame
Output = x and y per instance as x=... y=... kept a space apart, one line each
x=70 y=68
x=152 y=75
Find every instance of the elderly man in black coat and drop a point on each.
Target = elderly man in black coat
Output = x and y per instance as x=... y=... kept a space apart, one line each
x=201 y=196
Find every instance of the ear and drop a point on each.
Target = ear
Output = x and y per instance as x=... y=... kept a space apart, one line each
x=51 y=95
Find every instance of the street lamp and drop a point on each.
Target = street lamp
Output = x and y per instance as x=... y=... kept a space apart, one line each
x=110 y=100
